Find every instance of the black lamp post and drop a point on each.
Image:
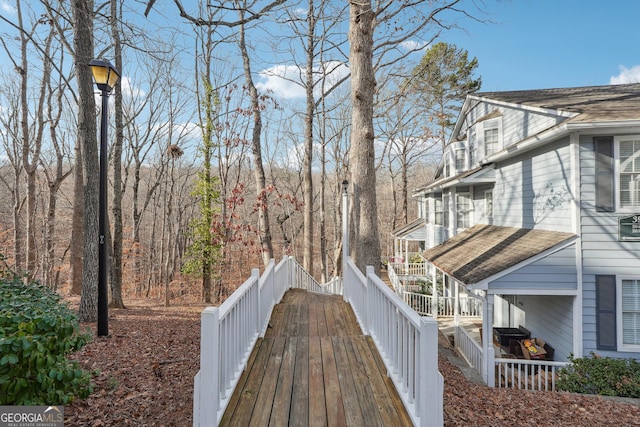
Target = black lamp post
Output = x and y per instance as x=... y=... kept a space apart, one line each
x=106 y=77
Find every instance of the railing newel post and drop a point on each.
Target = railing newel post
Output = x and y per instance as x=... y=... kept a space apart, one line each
x=209 y=381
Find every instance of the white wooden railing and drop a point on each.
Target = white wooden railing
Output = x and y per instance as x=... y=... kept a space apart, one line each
x=409 y=269
x=407 y=343
x=303 y=280
x=535 y=375
x=469 y=348
x=228 y=335
x=424 y=305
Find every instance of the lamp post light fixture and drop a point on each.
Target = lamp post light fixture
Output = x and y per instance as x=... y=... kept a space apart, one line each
x=106 y=76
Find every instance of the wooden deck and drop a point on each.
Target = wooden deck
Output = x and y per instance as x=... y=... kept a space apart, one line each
x=314 y=367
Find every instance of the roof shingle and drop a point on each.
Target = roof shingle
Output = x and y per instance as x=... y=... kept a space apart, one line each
x=485 y=250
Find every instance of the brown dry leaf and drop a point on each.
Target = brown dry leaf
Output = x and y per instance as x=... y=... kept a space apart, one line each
x=127 y=392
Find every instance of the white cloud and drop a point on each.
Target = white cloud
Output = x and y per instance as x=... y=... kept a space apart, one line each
x=627 y=75
x=128 y=89
x=285 y=81
x=7 y=8
x=413 y=45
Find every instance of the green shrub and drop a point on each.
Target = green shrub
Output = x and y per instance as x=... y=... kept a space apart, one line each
x=601 y=375
x=37 y=332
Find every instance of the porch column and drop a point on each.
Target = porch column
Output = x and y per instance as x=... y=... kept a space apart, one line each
x=406 y=255
x=488 y=373
x=434 y=291
x=456 y=303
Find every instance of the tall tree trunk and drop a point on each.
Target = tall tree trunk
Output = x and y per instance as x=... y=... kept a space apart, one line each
x=31 y=140
x=77 y=221
x=116 y=264
x=307 y=176
x=87 y=138
x=366 y=247
x=262 y=202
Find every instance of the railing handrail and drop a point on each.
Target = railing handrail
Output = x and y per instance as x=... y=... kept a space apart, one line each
x=308 y=282
x=407 y=343
x=229 y=333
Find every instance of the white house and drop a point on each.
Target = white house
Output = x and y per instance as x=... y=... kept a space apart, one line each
x=536 y=208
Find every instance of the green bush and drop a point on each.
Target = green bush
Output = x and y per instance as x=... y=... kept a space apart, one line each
x=601 y=375
x=37 y=332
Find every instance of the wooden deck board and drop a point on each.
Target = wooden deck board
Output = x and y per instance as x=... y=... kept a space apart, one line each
x=299 y=414
x=333 y=394
x=282 y=399
x=314 y=367
x=317 y=406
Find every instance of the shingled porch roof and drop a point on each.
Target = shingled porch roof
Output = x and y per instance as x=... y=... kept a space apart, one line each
x=483 y=251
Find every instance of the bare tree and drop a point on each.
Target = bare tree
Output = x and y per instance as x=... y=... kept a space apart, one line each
x=262 y=201
x=116 y=207
x=56 y=171
x=366 y=248
x=9 y=119
x=83 y=53
x=375 y=39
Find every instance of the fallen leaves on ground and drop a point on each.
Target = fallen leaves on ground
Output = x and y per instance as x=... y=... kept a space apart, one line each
x=145 y=376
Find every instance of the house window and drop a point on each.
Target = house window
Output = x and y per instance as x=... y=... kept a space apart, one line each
x=437 y=220
x=447 y=165
x=425 y=208
x=629 y=172
x=463 y=210
x=461 y=159
x=617 y=173
x=488 y=204
x=618 y=313
x=445 y=210
x=472 y=147
x=629 y=314
x=491 y=136
x=605 y=181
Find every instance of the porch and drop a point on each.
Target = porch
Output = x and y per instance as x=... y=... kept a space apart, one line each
x=461 y=315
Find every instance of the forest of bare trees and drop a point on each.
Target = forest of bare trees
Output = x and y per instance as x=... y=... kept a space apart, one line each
x=231 y=130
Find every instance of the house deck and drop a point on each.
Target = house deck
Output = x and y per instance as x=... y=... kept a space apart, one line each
x=315 y=367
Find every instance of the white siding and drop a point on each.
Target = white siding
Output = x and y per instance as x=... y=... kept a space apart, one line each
x=550 y=318
x=534 y=190
x=517 y=123
x=602 y=253
x=553 y=272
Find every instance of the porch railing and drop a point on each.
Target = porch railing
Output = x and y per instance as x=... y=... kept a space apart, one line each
x=468 y=348
x=409 y=269
x=424 y=305
x=407 y=343
x=535 y=375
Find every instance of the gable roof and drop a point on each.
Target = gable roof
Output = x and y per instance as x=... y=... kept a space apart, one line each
x=586 y=104
x=407 y=231
x=480 y=174
x=483 y=251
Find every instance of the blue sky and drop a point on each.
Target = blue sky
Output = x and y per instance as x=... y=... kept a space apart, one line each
x=530 y=44
x=536 y=44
